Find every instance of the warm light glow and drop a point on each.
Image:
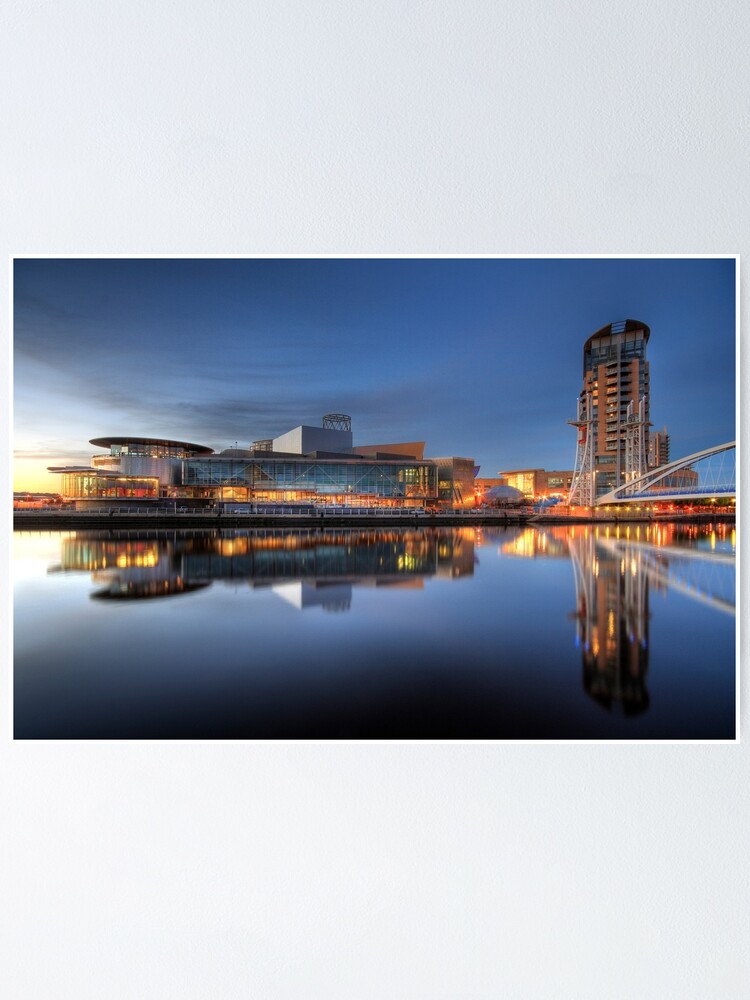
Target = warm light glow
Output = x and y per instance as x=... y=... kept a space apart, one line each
x=524 y=545
x=30 y=475
x=407 y=563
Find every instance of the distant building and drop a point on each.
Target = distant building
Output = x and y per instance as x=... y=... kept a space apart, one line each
x=658 y=448
x=23 y=500
x=482 y=483
x=538 y=483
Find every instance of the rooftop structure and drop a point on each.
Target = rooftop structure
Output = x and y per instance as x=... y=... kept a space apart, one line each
x=306 y=440
x=337 y=422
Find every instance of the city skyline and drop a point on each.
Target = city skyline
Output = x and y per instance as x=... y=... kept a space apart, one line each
x=479 y=357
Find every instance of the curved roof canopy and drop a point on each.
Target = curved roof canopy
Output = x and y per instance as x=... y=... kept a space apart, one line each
x=107 y=442
x=72 y=468
x=84 y=470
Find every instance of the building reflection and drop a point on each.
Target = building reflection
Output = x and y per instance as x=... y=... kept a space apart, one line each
x=307 y=569
x=615 y=567
x=612 y=619
x=533 y=543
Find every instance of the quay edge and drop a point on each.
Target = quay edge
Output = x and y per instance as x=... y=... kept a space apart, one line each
x=69 y=520
x=35 y=520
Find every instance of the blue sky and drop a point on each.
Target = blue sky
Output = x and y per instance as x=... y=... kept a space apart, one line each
x=477 y=357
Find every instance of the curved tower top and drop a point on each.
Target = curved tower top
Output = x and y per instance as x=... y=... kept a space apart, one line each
x=617 y=329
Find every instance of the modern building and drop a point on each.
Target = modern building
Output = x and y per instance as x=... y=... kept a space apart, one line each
x=613 y=411
x=455 y=482
x=306 y=465
x=538 y=484
x=135 y=468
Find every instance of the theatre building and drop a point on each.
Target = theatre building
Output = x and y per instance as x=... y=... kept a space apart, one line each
x=306 y=465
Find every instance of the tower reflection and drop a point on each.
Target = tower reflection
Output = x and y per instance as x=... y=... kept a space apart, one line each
x=614 y=567
x=612 y=619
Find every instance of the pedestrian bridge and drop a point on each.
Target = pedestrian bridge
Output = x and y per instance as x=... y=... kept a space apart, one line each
x=705 y=475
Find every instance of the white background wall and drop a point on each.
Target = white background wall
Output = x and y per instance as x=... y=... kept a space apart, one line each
x=358 y=871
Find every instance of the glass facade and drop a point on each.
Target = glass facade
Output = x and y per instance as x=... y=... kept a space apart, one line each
x=89 y=484
x=523 y=481
x=152 y=449
x=296 y=479
x=174 y=470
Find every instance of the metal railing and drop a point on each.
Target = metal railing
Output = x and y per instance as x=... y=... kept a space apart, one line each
x=281 y=512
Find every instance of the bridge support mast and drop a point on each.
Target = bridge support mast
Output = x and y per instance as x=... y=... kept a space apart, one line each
x=582 y=486
x=636 y=440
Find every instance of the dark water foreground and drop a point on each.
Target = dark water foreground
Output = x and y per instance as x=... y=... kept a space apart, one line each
x=560 y=632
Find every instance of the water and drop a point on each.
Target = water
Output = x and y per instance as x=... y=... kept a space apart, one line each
x=516 y=633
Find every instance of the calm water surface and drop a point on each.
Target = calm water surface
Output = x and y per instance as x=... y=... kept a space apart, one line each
x=516 y=633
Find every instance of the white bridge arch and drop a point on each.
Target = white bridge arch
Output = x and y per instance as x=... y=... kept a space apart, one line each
x=716 y=478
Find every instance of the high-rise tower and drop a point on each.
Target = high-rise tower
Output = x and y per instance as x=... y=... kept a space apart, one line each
x=613 y=411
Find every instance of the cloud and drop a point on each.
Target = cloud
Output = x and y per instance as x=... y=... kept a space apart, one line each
x=49 y=454
x=45 y=330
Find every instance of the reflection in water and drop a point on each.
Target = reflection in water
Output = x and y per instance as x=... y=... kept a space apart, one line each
x=327 y=596
x=652 y=608
x=307 y=569
x=533 y=543
x=614 y=566
x=612 y=623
